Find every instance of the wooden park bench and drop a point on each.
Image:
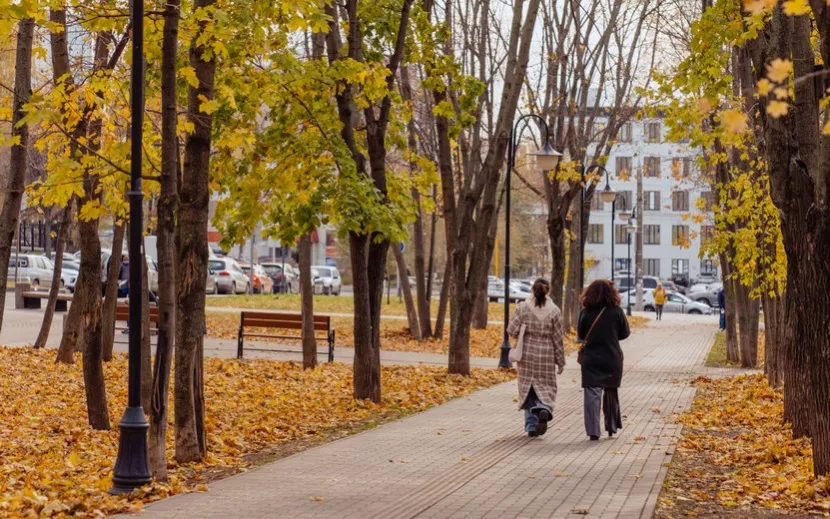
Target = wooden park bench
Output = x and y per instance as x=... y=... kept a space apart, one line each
x=26 y=298
x=122 y=314
x=282 y=322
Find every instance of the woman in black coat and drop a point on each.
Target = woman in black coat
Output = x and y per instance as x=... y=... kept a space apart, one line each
x=602 y=325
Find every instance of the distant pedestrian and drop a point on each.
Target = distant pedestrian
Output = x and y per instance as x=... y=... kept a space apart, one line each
x=659 y=300
x=124 y=277
x=602 y=325
x=722 y=307
x=537 y=323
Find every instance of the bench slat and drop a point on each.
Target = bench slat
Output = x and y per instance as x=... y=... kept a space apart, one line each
x=288 y=325
x=297 y=337
x=283 y=316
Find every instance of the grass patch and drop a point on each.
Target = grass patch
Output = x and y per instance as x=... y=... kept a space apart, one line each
x=717 y=354
x=55 y=465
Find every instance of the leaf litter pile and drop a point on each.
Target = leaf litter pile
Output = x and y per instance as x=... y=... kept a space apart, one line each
x=53 y=465
x=737 y=458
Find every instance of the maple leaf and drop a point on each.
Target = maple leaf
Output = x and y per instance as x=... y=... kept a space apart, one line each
x=779 y=69
x=764 y=87
x=734 y=121
x=777 y=108
x=826 y=129
x=758 y=6
x=796 y=7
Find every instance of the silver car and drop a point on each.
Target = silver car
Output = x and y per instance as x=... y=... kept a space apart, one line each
x=230 y=277
x=329 y=280
x=33 y=269
x=675 y=303
x=706 y=294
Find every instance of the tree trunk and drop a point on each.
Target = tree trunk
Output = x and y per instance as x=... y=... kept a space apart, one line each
x=748 y=315
x=49 y=313
x=638 y=241
x=558 y=251
x=307 y=296
x=146 y=352
x=193 y=252
x=482 y=307
x=732 y=351
x=368 y=259
x=18 y=163
x=772 y=341
x=411 y=313
x=167 y=208
x=111 y=296
x=441 y=316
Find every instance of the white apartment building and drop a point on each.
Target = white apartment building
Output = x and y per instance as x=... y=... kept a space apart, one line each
x=673 y=223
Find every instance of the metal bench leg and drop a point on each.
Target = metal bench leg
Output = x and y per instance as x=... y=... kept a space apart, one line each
x=241 y=339
x=331 y=346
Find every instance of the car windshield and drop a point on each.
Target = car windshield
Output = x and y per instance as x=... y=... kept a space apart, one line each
x=322 y=272
x=272 y=269
x=216 y=265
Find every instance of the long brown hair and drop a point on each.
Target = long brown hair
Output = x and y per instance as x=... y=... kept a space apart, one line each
x=540 y=290
x=599 y=294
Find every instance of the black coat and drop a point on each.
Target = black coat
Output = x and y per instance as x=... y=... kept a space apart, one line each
x=602 y=357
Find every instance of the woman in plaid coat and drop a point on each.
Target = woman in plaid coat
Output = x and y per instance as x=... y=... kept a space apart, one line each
x=543 y=355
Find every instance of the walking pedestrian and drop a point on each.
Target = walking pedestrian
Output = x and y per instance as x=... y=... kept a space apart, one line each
x=602 y=325
x=659 y=300
x=124 y=277
x=722 y=307
x=537 y=324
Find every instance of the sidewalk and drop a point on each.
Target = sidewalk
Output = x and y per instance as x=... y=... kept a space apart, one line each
x=470 y=458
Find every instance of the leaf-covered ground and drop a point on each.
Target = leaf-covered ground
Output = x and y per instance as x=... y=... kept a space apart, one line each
x=394 y=336
x=324 y=304
x=53 y=464
x=737 y=458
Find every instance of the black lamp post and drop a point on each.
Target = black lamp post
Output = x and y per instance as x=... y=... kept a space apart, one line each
x=546 y=159
x=630 y=229
x=607 y=195
x=132 y=469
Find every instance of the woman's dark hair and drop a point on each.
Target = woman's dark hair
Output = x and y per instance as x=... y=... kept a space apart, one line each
x=540 y=289
x=600 y=293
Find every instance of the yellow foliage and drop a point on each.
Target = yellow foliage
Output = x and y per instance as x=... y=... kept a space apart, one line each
x=758 y=6
x=53 y=464
x=777 y=108
x=734 y=121
x=764 y=87
x=796 y=7
x=742 y=452
x=826 y=129
x=779 y=69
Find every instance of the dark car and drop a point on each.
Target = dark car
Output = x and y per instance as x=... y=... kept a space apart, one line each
x=274 y=271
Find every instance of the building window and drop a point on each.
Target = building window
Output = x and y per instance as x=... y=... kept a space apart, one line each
x=679 y=234
x=595 y=232
x=679 y=266
x=652 y=200
x=687 y=166
x=596 y=202
x=652 y=267
x=652 y=166
x=625 y=133
x=623 y=201
x=623 y=167
x=707 y=266
x=622 y=264
x=680 y=201
x=708 y=200
x=621 y=233
x=653 y=132
x=651 y=234
x=707 y=234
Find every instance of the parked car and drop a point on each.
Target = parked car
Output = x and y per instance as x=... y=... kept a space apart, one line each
x=261 y=281
x=211 y=283
x=32 y=268
x=330 y=283
x=495 y=292
x=706 y=294
x=706 y=279
x=292 y=279
x=278 y=277
x=675 y=303
x=649 y=282
x=230 y=277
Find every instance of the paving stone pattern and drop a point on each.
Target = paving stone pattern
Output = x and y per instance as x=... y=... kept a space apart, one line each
x=470 y=457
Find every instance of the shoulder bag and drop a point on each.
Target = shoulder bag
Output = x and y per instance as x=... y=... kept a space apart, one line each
x=582 y=346
x=515 y=354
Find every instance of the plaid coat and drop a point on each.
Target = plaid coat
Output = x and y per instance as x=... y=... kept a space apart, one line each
x=543 y=349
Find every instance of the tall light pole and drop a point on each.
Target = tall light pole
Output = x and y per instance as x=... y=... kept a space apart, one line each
x=132 y=469
x=546 y=160
x=607 y=195
x=630 y=229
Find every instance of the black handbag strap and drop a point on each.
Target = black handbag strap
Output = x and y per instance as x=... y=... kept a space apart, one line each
x=585 y=340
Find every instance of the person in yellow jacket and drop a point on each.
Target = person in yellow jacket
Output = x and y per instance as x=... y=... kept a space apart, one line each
x=659 y=300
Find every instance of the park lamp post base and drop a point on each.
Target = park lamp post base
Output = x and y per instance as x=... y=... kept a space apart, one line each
x=504 y=359
x=132 y=469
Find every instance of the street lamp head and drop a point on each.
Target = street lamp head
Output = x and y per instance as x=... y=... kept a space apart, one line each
x=608 y=195
x=547 y=158
x=631 y=228
x=625 y=214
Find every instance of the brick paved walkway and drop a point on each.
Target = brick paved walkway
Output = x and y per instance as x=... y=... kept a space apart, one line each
x=470 y=458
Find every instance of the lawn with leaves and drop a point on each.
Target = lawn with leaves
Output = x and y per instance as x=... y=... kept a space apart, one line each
x=53 y=464
x=394 y=336
x=737 y=458
x=324 y=304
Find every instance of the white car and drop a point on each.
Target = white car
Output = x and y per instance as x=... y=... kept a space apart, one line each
x=326 y=280
x=495 y=292
x=675 y=303
x=230 y=277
